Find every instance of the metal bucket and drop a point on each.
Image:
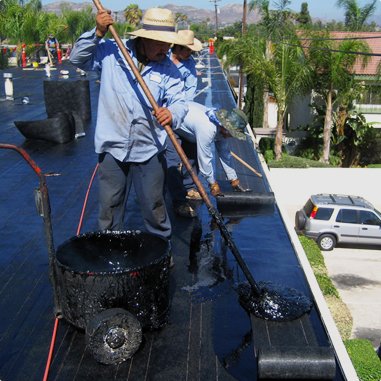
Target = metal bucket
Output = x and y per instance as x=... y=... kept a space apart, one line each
x=103 y=270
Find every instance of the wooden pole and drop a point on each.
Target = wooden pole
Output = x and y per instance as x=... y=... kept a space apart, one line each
x=245 y=164
x=212 y=210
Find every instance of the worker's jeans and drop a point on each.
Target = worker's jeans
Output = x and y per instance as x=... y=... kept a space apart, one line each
x=115 y=180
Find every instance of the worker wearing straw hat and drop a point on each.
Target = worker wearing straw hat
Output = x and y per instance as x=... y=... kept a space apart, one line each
x=131 y=141
x=181 y=56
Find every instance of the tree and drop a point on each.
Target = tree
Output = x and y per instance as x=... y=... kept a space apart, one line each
x=286 y=74
x=304 y=17
x=355 y=16
x=133 y=14
x=274 y=26
x=332 y=63
x=76 y=22
x=181 y=18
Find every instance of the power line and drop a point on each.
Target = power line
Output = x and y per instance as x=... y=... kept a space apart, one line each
x=339 y=38
x=335 y=50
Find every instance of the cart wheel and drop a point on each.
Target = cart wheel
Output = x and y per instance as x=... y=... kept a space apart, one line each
x=113 y=336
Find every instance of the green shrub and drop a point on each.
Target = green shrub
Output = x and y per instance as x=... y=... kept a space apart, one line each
x=269 y=156
x=364 y=359
x=316 y=259
x=3 y=60
x=289 y=161
x=360 y=351
x=266 y=144
x=326 y=285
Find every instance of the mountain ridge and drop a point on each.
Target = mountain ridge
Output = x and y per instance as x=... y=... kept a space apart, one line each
x=228 y=14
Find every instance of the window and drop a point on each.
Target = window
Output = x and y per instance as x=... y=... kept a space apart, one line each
x=372 y=95
x=369 y=218
x=347 y=216
x=308 y=207
x=324 y=214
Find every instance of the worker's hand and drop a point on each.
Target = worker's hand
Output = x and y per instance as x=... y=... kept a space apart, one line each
x=215 y=190
x=103 y=20
x=163 y=116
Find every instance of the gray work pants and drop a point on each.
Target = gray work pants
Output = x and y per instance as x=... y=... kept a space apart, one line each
x=115 y=179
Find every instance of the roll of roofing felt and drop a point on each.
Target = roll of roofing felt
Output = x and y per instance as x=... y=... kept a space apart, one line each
x=244 y=204
x=245 y=199
x=296 y=363
x=58 y=129
x=68 y=96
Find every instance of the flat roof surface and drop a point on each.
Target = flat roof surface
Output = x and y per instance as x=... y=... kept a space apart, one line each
x=209 y=335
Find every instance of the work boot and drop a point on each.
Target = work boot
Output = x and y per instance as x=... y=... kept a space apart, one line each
x=193 y=195
x=237 y=186
x=185 y=210
x=215 y=190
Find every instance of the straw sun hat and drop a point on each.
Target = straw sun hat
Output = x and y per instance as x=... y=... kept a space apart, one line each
x=159 y=25
x=189 y=40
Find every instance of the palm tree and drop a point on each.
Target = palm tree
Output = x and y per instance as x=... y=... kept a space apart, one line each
x=286 y=73
x=332 y=65
x=133 y=14
x=275 y=25
x=356 y=16
x=180 y=18
x=304 y=18
x=76 y=22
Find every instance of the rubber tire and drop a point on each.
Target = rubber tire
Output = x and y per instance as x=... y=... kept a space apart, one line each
x=113 y=323
x=300 y=220
x=326 y=242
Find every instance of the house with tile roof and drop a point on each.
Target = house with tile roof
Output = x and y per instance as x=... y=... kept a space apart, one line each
x=300 y=114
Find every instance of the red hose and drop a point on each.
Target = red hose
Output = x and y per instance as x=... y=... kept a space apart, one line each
x=48 y=362
x=52 y=342
x=86 y=198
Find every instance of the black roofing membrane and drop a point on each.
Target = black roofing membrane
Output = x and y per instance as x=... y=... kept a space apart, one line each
x=208 y=335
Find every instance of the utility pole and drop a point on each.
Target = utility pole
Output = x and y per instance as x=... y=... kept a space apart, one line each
x=216 y=12
x=241 y=84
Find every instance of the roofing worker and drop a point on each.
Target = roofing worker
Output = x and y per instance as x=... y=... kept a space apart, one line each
x=130 y=141
x=181 y=56
x=203 y=127
x=52 y=45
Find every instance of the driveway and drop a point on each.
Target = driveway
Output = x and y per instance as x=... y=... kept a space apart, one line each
x=355 y=271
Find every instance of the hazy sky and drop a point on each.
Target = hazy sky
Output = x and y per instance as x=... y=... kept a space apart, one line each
x=318 y=8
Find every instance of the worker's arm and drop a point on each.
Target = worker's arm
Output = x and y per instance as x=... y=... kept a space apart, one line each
x=83 y=54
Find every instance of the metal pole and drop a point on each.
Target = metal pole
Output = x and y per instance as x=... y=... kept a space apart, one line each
x=215 y=12
x=241 y=77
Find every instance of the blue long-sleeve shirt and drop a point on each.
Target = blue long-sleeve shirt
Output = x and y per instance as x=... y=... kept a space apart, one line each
x=200 y=128
x=125 y=126
x=188 y=72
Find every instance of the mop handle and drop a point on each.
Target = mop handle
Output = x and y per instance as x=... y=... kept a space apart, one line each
x=224 y=231
x=243 y=162
x=155 y=107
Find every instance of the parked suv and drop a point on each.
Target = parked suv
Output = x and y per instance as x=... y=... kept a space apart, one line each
x=332 y=218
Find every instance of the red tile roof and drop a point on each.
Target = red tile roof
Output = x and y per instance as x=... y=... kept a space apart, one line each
x=374 y=46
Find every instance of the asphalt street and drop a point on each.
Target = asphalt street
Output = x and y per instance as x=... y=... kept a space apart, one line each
x=355 y=271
